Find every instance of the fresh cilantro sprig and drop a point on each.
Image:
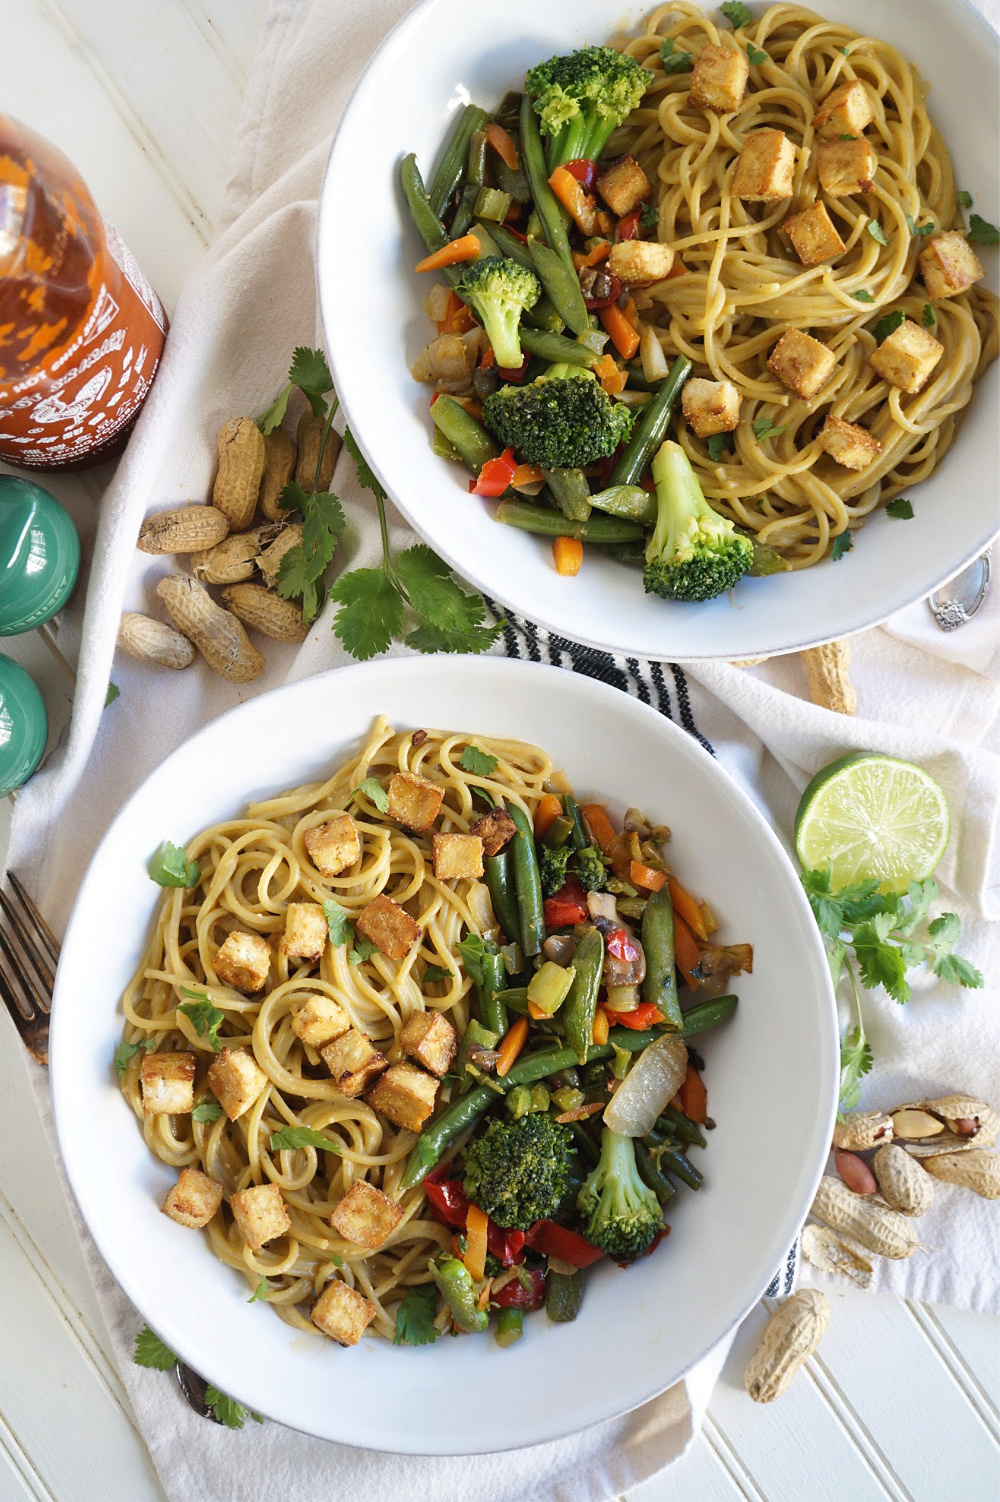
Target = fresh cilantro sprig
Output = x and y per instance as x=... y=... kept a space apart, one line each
x=928 y=317
x=877 y=232
x=718 y=445
x=415 y=1317
x=293 y=1137
x=337 y=921
x=862 y=296
x=152 y=1352
x=901 y=509
x=649 y=218
x=435 y=973
x=228 y=1411
x=260 y=1292
x=673 y=61
x=478 y=762
x=919 y=229
x=737 y=14
x=126 y=1051
x=889 y=324
x=206 y=1111
x=373 y=790
x=982 y=232
x=757 y=55
x=764 y=428
x=362 y=950
x=842 y=543
x=203 y=1016
x=309 y=374
x=170 y=867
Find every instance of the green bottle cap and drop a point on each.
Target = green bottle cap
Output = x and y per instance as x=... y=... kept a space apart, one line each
x=24 y=726
x=39 y=555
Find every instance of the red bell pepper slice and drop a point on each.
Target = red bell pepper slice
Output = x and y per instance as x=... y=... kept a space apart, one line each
x=558 y=1241
x=450 y=1205
x=584 y=170
x=510 y=375
x=640 y=1017
x=622 y=946
x=568 y=906
x=628 y=227
x=514 y=1295
x=495 y=475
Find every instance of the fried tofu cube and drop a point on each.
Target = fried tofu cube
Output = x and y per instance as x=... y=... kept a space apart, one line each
x=193 y=1200
x=354 y=1062
x=846 y=111
x=236 y=1080
x=414 y=802
x=306 y=931
x=343 y=1313
x=765 y=167
x=260 y=1213
x=814 y=235
x=949 y=265
x=846 y=167
x=719 y=79
x=640 y=263
x=243 y=962
x=406 y=1095
x=365 y=1215
x=167 y=1083
x=907 y=357
x=711 y=406
x=334 y=845
x=852 y=446
x=320 y=1021
x=624 y=186
x=457 y=855
x=429 y=1038
x=494 y=829
x=801 y=363
x=388 y=926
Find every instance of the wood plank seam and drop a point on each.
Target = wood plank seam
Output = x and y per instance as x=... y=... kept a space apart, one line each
x=728 y=1457
x=216 y=42
x=958 y=1368
x=22 y=1464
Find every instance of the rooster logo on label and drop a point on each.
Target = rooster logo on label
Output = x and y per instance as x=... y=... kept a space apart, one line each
x=53 y=409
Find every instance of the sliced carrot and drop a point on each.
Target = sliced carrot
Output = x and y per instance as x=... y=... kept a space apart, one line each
x=580 y=1113
x=646 y=877
x=608 y=842
x=567 y=554
x=601 y=1027
x=514 y=1040
x=578 y=203
x=527 y=474
x=686 y=951
x=457 y=318
x=547 y=811
x=535 y=1012
x=694 y=1096
x=594 y=256
x=503 y=144
x=465 y=248
x=632 y=312
x=624 y=337
x=476 y=1227
x=689 y=910
x=611 y=378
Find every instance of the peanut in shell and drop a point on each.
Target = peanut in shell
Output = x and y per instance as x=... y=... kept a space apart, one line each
x=309 y=435
x=230 y=561
x=829 y=671
x=860 y=1130
x=279 y=466
x=865 y=1218
x=218 y=635
x=269 y=561
x=958 y=1122
x=266 y=612
x=832 y=1253
x=789 y=1338
x=149 y=640
x=904 y=1183
x=184 y=529
x=976 y=1170
x=241 y=465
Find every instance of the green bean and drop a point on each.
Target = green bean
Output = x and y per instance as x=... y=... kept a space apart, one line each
x=558 y=832
x=469 y=437
x=527 y=882
x=491 y=999
x=547 y=206
x=672 y=1160
x=543 y=315
x=685 y=1129
x=651 y=426
x=442 y=1131
x=572 y=811
x=429 y=226
x=572 y=493
x=561 y=283
x=548 y=523
x=707 y=1014
x=557 y=349
x=538 y=1066
x=455 y=1283
x=513 y=180
x=630 y=501
x=443 y=447
x=585 y=1142
x=452 y=167
x=563 y=1296
x=660 y=983
x=510 y=1327
x=501 y=885
x=651 y=1174
x=516 y=999
x=631 y=554
x=580 y=1006
x=475 y=173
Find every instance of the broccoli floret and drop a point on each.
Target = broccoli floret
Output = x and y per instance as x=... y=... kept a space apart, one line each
x=500 y=290
x=623 y=1215
x=582 y=97
x=517 y=1171
x=563 y=420
x=552 y=866
x=591 y=869
x=694 y=553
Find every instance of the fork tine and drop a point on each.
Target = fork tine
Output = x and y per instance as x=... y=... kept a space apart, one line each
x=29 y=947
x=42 y=929
x=19 y=995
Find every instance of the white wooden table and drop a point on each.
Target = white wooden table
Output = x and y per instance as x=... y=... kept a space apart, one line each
x=903 y=1400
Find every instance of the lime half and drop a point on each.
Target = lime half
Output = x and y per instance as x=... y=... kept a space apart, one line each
x=872 y=816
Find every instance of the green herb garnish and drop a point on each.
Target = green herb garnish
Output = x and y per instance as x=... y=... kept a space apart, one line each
x=764 y=428
x=151 y=1351
x=672 y=60
x=126 y=1051
x=206 y=1111
x=204 y=1017
x=736 y=13
x=260 y=1292
x=756 y=55
x=363 y=950
x=876 y=231
x=842 y=543
x=478 y=762
x=919 y=229
x=982 y=232
x=170 y=867
x=901 y=508
x=862 y=296
x=889 y=324
x=228 y=1411
x=928 y=317
x=435 y=973
x=337 y=921
x=296 y=1136
x=373 y=790
x=963 y=199
x=718 y=445
x=415 y=1317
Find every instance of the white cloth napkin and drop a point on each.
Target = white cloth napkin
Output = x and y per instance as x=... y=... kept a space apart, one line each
x=927 y=697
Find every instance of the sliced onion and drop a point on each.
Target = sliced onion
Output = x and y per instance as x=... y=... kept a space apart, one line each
x=653 y=1080
x=481 y=908
x=654 y=361
x=602 y=905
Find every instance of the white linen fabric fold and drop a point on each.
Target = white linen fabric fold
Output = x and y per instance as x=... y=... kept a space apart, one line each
x=924 y=696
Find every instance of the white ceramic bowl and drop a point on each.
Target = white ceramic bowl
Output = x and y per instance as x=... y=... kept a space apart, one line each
x=442 y=54
x=772 y=1075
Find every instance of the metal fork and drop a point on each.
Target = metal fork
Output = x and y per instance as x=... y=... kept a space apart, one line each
x=29 y=953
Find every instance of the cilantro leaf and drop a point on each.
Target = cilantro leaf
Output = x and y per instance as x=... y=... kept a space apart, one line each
x=763 y=428
x=478 y=762
x=260 y=1292
x=293 y=497
x=650 y=216
x=963 y=199
x=303 y=566
x=842 y=543
x=919 y=229
x=981 y=232
x=363 y=950
x=921 y=896
x=228 y=1411
x=736 y=13
x=204 y=1017
x=373 y=790
x=880 y=963
x=855 y=1062
x=291 y=1137
x=434 y=594
x=170 y=867
x=862 y=296
x=900 y=508
x=862 y=900
x=958 y=972
x=672 y=60
x=370 y=614
x=845 y=51
x=337 y=921
x=206 y=1110
x=366 y=475
x=928 y=317
x=415 y=1317
x=756 y=55
x=889 y=324
x=273 y=416
x=113 y=693
x=473 y=951
x=435 y=973
x=150 y=1351
x=126 y=1051
x=719 y=444
x=311 y=374
x=877 y=232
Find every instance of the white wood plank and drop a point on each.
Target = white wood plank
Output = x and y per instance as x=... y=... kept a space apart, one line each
x=699 y=1476
x=18 y=1477
x=231 y=27
x=974 y=1355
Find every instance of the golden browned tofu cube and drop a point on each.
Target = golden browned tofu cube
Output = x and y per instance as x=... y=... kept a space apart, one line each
x=243 y=962
x=813 y=235
x=319 y=1021
x=429 y=1038
x=365 y=1215
x=846 y=167
x=353 y=1061
x=949 y=265
x=333 y=846
x=193 y=1200
x=457 y=855
x=167 y=1083
x=640 y=263
x=388 y=926
x=260 y=1213
x=907 y=357
x=801 y=363
x=765 y=167
x=846 y=111
x=343 y=1313
x=852 y=446
x=406 y=1095
x=711 y=406
x=236 y=1080
x=494 y=829
x=306 y=931
x=414 y=802
x=719 y=79
x=624 y=186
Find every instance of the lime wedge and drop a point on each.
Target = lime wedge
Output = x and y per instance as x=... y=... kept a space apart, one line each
x=872 y=816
